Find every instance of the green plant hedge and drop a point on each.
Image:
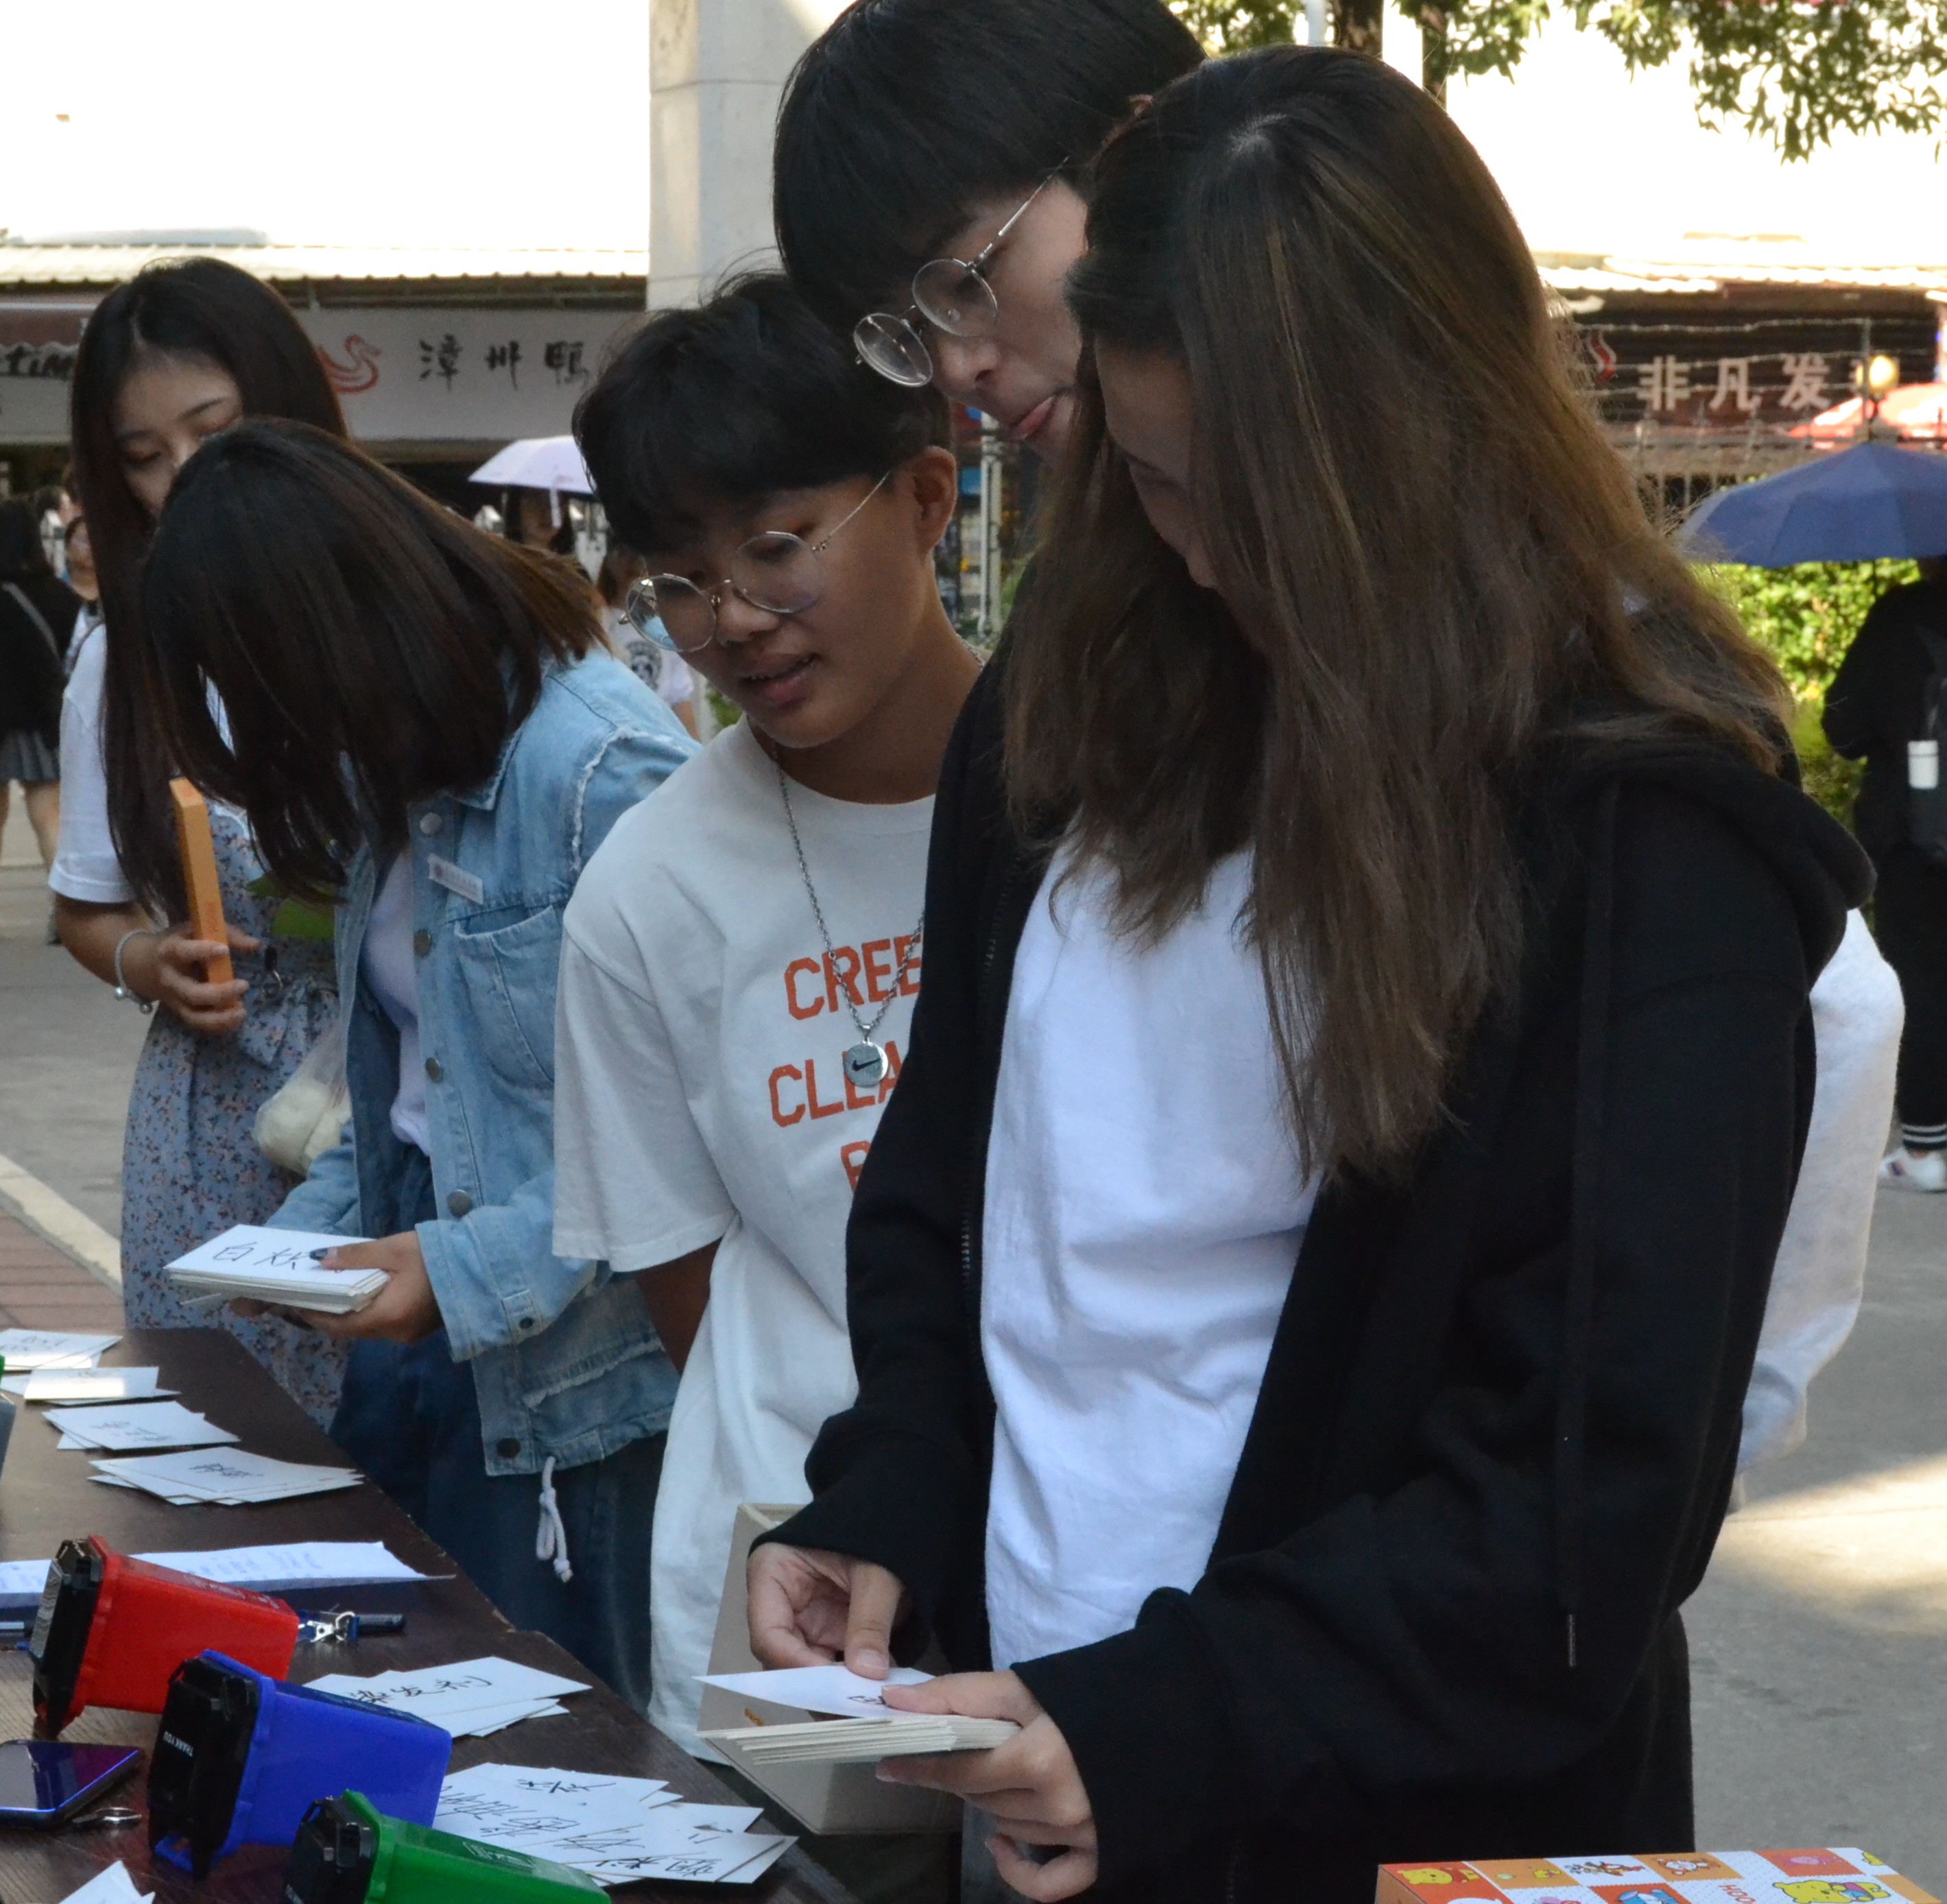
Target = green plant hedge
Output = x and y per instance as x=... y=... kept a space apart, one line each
x=1807 y=616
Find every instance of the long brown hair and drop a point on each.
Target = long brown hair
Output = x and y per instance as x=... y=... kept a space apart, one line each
x=203 y=309
x=370 y=648
x=1428 y=561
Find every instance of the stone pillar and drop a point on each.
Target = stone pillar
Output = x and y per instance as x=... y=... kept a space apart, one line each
x=716 y=68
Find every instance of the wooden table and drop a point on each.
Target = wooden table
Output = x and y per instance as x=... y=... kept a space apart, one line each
x=46 y=1497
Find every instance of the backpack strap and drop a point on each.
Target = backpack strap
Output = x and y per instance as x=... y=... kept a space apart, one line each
x=40 y=621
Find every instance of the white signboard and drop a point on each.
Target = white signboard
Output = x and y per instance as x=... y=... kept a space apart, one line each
x=404 y=374
x=480 y=374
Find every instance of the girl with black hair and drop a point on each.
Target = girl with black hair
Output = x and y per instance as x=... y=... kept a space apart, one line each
x=168 y=360
x=37 y=611
x=420 y=718
x=1304 y=1288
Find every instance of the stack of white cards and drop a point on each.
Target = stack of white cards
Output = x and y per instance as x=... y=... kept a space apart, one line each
x=130 y=1426
x=233 y=1478
x=470 y=1700
x=851 y=1737
x=856 y=1741
x=285 y=1567
x=273 y=1265
x=21 y=1348
x=85 y=1385
x=618 y=1830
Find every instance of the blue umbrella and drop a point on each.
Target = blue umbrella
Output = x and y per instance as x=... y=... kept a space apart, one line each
x=1864 y=504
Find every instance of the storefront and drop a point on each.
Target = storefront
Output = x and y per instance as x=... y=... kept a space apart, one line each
x=1702 y=372
x=439 y=357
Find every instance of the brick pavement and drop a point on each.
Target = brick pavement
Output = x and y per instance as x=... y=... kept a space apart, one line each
x=40 y=1288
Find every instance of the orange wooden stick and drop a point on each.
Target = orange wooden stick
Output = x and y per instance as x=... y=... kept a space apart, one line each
x=199 y=865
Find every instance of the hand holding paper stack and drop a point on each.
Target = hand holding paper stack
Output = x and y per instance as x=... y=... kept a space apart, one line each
x=848 y=1738
x=273 y=1265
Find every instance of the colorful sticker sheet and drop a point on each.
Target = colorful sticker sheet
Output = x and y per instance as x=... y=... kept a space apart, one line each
x=1810 y=1875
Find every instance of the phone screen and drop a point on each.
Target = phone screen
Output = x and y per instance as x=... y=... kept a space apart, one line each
x=41 y=1778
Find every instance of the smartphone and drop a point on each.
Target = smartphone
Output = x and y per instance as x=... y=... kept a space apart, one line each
x=45 y=1782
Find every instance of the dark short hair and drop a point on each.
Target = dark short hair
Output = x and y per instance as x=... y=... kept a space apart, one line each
x=370 y=648
x=744 y=396
x=904 y=113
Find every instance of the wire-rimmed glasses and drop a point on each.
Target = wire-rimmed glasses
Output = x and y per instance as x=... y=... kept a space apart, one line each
x=776 y=572
x=952 y=294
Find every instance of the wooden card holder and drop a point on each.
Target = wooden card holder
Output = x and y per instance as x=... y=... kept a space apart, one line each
x=199 y=880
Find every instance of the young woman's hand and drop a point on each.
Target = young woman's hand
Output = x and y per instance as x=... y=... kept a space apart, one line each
x=808 y=1608
x=176 y=980
x=1030 y=1784
x=405 y=1310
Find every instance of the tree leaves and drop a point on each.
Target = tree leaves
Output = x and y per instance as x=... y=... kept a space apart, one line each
x=1794 y=72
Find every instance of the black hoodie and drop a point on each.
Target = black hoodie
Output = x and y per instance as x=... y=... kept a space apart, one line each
x=1500 y=1421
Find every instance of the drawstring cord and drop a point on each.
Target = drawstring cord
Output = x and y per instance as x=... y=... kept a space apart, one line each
x=1571 y=1400
x=551 y=1538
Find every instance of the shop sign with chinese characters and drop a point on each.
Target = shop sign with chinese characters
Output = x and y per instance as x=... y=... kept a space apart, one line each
x=404 y=374
x=1767 y=372
x=481 y=374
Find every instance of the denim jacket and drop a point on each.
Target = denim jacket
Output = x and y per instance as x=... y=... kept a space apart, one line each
x=565 y=1361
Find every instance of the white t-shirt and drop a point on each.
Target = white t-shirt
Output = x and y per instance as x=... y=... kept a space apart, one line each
x=1144 y=1209
x=700 y=1094
x=661 y=669
x=85 y=866
x=386 y=959
x=1819 y=1277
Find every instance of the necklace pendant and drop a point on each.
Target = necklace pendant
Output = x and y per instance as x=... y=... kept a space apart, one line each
x=865 y=1064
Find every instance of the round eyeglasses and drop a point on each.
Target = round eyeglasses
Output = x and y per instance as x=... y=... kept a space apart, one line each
x=776 y=572
x=952 y=294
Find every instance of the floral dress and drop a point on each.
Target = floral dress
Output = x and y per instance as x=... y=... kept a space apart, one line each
x=189 y=1166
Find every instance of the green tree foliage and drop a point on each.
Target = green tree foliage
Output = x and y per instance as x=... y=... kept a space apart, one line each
x=1793 y=72
x=1807 y=617
x=1236 y=26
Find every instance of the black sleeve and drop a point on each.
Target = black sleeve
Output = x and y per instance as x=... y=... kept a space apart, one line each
x=899 y=1478
x=1411 y=1642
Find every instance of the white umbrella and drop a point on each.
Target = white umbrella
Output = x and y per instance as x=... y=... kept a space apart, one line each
x=551 y=463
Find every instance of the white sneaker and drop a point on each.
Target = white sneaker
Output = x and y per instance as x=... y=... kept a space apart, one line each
x=1906 y=1169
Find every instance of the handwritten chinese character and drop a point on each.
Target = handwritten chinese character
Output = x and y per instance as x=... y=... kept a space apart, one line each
x=506 y=356
x=563 y=357
x=440 y=358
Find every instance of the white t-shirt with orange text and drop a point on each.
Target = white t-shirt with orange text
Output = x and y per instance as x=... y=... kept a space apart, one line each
x=700 y=1094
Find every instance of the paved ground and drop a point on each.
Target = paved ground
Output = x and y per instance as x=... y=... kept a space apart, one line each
x=40 y=1288
x=1818 y=1642
x=67 y=1048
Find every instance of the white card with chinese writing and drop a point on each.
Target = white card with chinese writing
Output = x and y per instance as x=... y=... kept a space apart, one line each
x=231 y=1478
x=130 y=1427
x=834 y=1688
x=472 y=1698
x=21 y=1348
x=275 y=1265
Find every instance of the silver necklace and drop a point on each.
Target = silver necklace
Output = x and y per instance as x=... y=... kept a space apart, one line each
x=865 y=1062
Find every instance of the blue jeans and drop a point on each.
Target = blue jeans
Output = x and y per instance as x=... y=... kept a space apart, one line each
x=410 y=1418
